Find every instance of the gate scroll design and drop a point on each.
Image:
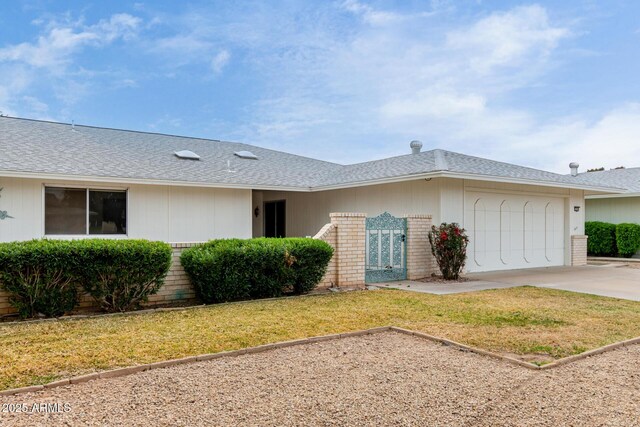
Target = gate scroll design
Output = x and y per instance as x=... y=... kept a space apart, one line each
x=386 y=249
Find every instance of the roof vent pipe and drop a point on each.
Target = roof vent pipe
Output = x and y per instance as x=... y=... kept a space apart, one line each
x=416 y=146
x=574 y=168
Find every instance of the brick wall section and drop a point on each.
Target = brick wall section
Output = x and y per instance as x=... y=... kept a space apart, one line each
x=350 y=250
x=579 y=250
x=5 y=307
x=420 y=261
x=177 y=286
x=329 y=234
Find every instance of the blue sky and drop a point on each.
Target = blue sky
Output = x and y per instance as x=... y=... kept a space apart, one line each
x=538 y=84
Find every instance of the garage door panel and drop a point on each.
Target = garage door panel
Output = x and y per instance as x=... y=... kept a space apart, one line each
x=479 y=233
x=493 y=222
x=505 y=232
x=513 y=231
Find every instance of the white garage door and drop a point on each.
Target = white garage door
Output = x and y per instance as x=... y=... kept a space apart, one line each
x=508 y=231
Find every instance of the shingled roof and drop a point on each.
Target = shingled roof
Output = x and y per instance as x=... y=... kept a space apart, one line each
x=628 y=178
x=60 y=150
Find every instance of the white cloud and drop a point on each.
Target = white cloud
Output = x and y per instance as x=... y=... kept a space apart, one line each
x=609 y=141
x=434 y=104
x=181 y=44
x=220 y=61
x=507 y=38
x=34 y=104
x=50 y=60
x=369 y=14
x=54 y=49
x=410 y=78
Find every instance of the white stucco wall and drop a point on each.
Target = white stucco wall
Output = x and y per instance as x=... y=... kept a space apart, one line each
x=168 y=213
x=614 y=210
x=308 y=212
x=443 y=198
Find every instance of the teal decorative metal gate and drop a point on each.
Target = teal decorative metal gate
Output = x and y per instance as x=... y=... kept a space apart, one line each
x=386 y=249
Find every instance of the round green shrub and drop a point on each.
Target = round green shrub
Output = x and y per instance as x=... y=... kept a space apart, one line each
x=39 y=276
x=121 y=274
x=310 y=258
x=602 y=238
x=628 y=239
x=233 y=269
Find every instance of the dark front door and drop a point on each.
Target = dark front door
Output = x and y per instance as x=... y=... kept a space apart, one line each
x=275 y=219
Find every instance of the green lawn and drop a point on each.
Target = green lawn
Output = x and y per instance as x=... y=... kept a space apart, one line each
x=521 y=321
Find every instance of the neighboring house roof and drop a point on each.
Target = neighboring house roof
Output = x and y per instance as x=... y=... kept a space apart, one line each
x=628 y=178
x=58 y=150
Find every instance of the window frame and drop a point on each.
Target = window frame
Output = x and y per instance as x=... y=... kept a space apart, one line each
x=87 y=189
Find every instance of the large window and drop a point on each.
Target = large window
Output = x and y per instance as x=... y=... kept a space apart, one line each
x=73 y=211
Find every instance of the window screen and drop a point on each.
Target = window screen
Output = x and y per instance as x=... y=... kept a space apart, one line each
x=65 y=211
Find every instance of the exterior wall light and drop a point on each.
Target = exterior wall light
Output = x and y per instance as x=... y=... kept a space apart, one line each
x=256 y=211
x=576 y=208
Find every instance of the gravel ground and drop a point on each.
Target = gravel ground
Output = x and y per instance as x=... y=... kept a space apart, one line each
x=382 y=379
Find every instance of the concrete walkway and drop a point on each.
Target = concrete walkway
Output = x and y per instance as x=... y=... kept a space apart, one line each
x=612 y=280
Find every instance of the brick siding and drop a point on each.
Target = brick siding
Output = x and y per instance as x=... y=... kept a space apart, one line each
x=420 y=261
x=329 y=234
x=579 y=250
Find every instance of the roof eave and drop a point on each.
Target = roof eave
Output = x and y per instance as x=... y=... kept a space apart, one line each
x=402 y=178
x=577 y=186
x=612 y=196
x=140 y=181
x=469 y=176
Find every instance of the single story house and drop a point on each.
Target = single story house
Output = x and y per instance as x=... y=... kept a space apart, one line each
x=68 y=181
x=617 y=207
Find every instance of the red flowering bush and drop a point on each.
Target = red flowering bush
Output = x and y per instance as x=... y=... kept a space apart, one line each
x=449 y=246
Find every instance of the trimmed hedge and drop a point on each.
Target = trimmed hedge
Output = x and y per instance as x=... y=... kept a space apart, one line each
x=39 y=276
x=628 y=239
x=44 y=277
x=602 y=238
x=121 y=274
x=234 y=269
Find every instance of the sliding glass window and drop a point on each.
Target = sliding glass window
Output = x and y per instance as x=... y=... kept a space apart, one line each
x=74 y=211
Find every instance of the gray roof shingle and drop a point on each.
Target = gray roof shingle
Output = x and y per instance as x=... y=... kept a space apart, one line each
x=32 y=146
x=56 y=148
x=628 y=178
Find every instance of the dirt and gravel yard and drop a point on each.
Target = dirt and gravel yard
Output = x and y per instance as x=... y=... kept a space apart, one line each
x=533 y=324
x=381 y=379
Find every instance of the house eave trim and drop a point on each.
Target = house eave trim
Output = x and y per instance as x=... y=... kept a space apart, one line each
x=613 y=192
x=612 y=196
x=133 y=181
x=467 y=176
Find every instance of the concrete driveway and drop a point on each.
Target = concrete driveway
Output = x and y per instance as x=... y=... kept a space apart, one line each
x=606 y=280
x=613 y=280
